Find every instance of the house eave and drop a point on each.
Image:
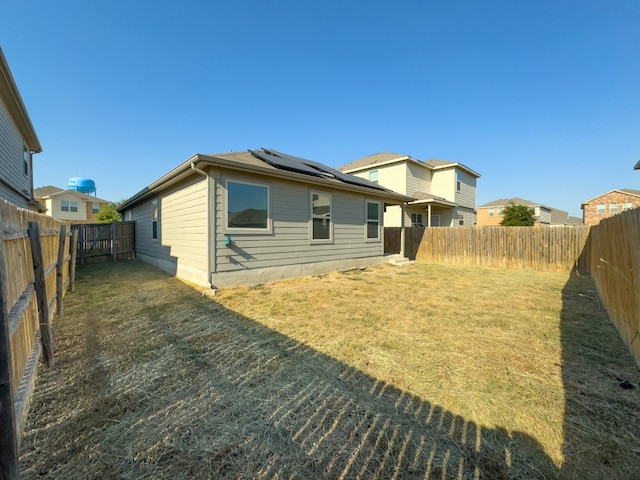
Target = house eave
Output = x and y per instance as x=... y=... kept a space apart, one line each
x=15 y=106
x=200 y=161
x=433 y=201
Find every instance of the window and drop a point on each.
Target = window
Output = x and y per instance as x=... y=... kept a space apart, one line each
x=373 y=220
x=68 y=206
x=154 y=220
x=458 y=181
x=320 y=216
x=536 y=211
x=435 y=220
x=95 y=208
x=627 y=206
x=613 y=208
x=373 y=176
x=500 y=212
x=26 y=156
x=416 y=220
x=492 y=212
x=460 y=219
x=601 y=208
x=247 y=206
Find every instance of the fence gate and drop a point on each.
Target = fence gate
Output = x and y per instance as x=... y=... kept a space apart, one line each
x=100 y=242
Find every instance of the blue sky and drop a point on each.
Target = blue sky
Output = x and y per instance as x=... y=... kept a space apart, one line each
x=542 y=98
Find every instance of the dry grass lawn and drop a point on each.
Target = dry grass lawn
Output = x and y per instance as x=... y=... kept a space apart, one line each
x=427 y=371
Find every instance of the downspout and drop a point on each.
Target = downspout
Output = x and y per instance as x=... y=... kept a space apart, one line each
x=209 y=227
x=402 y=208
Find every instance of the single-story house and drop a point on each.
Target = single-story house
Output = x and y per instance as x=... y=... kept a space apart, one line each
x=258 y=216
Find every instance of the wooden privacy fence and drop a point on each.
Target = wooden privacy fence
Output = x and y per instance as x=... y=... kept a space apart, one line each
x=538 y=248
x=36 y=269
x=100 y=242
x=615 y=269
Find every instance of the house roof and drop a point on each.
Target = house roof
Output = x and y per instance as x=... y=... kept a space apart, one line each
x=45 y=191
x=423 y=197
x=502 y=202
x=561 y=217
x=386 y=158
x=11 y=98
x=50 y=191
x=629 y=191
x=271 y=163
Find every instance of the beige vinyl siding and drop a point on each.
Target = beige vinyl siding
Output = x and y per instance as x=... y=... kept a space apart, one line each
x=393 y=177
x=55 y=208
x=393 y=217
x=182 y=225
x=13 y=182
x=466 y=197
x=289 y=243
x=443 y=183
x=418 y=179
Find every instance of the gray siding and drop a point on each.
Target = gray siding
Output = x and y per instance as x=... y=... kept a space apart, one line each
x=418 y=179
x=182 y=227
x=289 y=243
x=466 y=197
x=13 y=182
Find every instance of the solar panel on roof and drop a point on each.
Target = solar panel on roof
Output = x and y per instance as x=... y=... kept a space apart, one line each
x=328 y=170
x=284 y=163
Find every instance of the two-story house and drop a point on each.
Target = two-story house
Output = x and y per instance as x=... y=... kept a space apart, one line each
x=491 y=214
x=445 y=192
x=76 y=207
x=608 y=204
x=18 y=142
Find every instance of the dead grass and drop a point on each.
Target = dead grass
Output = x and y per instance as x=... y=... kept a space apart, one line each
x=430 y=371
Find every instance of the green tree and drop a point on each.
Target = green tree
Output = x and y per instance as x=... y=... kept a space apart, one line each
x=518 y=216
x=108 y=214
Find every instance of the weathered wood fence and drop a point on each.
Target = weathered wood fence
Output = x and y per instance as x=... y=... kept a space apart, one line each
x=36 y=269
x=614 y=246
x=538 y=248
x=99 y=242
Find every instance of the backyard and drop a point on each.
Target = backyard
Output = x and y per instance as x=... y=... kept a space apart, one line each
x=425 y=371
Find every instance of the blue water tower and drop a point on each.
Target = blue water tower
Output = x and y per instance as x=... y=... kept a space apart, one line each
x=82 y=185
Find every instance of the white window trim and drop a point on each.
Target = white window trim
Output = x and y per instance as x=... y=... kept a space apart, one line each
x=154 y=206
x=311 y=217
x=366 y=221
x=604 y=208
x=225 y=210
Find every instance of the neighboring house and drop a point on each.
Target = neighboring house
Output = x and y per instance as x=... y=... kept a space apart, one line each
x=444 y=192
x=18 y=142
x=258 y=216
x=69 y=205
x=609 y=204
x=491 y=213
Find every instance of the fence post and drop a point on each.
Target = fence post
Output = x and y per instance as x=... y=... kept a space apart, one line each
x=8 y=435
x=114 y=240
x=59 y=281
x=72 y=262
x=41 y=292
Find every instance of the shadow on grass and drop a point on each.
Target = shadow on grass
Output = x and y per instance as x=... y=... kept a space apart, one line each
x=159 y=382
x=602 y=390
